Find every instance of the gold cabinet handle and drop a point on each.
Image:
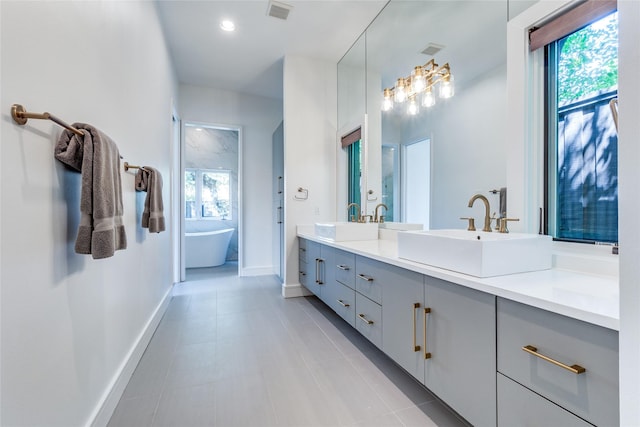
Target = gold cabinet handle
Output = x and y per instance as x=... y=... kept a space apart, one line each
x=318 y=270
x=576 y=369
x=416 y=347
x=342 y=303
x=343 y=267
x=427 y=355
x=302 y=273
x=365 y=278
x=365 y=320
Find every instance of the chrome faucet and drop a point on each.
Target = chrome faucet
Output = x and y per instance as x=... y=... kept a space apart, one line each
x=379 y=218
x=487 y=214
x=357 y=216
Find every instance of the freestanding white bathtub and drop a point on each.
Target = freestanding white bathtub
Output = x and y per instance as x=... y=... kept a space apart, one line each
x=207 y=248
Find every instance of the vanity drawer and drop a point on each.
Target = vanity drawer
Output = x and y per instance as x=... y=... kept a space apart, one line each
x=369 y=319
x=592 y=394
x=520 y=407
x=372 y=275
x=343 y=302
x=345 y=268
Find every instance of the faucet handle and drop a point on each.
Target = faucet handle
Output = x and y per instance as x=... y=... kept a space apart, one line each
x=503 y=224
x=472 y=223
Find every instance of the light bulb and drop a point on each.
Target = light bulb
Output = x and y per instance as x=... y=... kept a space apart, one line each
x=428 y=100
x=446 y=88
x=387 y=102
x=412 y=108
x=227 y=25
x=418 y=83
x=399 y=92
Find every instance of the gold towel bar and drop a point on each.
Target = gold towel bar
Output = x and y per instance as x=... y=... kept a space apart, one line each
x=127 y=166
x=20 y=116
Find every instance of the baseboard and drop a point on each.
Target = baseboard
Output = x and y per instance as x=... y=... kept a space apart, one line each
x=294 y=290
x=110 y=399
x=256 y=271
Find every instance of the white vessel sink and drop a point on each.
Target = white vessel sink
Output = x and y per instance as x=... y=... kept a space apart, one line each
x=345 y=231
x=401 y=226
x=477 y=253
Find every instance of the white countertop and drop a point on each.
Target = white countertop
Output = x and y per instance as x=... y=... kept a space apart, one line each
x=588 y=297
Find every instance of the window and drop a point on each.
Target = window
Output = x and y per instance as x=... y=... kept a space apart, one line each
x=352 y=143
x=582 y=154
x=207 y=194
x=355 y=171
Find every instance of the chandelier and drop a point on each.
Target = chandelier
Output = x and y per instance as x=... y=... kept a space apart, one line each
x=419 y=88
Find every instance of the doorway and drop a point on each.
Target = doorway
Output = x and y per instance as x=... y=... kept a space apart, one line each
x=212 y=202
x=416 y=182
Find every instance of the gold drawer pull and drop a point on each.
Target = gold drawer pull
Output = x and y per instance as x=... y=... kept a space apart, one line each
x=365 y=320
x=365 y=278
x=343 y=267
x=427 y=354
x=416 y=347
x=576 y=369
x=342 y=303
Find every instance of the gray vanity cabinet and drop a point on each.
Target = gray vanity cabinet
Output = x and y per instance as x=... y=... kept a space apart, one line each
x=461 y=340
x=571 y=363
x=403 y=327
x=313 y=272
x=520 y=407
x=340 y=291
x=370 y=277
x=444 y=335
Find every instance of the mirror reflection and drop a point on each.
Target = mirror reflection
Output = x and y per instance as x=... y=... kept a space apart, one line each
x=424 y=164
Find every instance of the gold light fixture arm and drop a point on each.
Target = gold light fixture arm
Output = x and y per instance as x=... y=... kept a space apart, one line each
x=21 y=116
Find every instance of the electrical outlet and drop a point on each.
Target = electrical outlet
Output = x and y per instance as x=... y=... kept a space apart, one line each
x=316 y=211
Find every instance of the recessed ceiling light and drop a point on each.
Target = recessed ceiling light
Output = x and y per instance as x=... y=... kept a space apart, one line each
x=227 y=25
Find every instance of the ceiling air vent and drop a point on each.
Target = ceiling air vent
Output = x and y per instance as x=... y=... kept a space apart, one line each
x=278 y=10
x=432 y=49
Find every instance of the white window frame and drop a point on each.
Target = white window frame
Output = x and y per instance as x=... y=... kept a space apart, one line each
x=199 y=172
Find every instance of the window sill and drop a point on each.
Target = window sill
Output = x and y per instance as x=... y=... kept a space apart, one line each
x=585 y=258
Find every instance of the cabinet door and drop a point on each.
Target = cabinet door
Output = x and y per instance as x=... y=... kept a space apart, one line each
x=403 y=313
x=520 y=407
x=326 y=275
x=461 y=338
x=313 y=259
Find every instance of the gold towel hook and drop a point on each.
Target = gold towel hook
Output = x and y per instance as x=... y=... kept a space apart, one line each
x=21 y=116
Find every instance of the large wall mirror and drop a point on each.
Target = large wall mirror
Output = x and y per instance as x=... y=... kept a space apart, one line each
x=426 y=166
x=352 y=151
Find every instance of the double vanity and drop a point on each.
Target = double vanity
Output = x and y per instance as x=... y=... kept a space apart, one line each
x=482 y=319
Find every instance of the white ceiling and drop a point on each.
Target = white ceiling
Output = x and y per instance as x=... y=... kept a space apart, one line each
x=249 y=60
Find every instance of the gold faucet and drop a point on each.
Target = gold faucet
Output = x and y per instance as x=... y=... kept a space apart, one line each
x=487 y=215
x=379 y=218
x=357 y=216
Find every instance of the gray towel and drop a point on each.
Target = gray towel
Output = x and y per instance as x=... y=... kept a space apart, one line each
x=96 y=157
x=149 y=179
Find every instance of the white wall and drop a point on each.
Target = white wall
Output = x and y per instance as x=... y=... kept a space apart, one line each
x=258 y=117
x=310 y=112
x=70 y=322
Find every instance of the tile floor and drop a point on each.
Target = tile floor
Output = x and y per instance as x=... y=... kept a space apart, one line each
x=230 y=351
